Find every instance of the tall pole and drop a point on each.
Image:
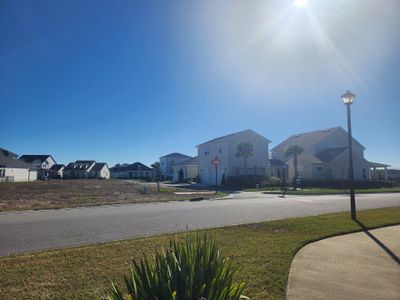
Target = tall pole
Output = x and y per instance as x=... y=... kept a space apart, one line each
x=351 y=171
x=216 y=180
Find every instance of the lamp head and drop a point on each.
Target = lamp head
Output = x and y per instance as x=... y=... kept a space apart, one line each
x=348 y=98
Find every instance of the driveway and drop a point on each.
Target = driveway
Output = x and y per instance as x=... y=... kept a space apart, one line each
x=27 y=231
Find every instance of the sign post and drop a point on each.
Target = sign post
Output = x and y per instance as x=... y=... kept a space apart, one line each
x=216 y=162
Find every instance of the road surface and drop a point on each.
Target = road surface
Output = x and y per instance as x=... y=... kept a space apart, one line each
x=28 y=231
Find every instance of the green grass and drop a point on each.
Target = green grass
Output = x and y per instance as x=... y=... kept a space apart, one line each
x=262 y=251
x=322 y=191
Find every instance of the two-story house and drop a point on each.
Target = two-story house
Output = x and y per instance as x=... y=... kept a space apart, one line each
x=167 y=161
x=188 y=169
x=42 y=163
x=225 y=149
x=324 y=156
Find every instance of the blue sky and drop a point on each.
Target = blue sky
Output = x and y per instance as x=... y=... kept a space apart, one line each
x=134 y=80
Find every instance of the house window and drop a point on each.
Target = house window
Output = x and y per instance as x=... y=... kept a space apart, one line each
x=206 y=151
x=220 y=149
x=2 y=173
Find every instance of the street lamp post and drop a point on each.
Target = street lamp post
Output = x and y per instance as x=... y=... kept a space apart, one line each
x=348 y=99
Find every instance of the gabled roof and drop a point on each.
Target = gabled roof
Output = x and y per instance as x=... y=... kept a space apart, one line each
x=8 y=160
x=98 y=167
x=176 y=154
x=330 y=154
x=137 y=166
x=57 y=167
x=229 y=136
x=8 y=153
x=30 y=158
x=311 y=138
x=377 y=165
x=189 y=162
x=79 y=165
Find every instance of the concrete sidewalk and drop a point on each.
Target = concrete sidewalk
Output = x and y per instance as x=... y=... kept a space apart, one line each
x=353 y=266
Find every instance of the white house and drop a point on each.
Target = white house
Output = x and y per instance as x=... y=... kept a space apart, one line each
x=325 y=155
x=12 y=169
x=167 y=161
x=225 y=149
x=100 y=171
x=42 y=163
x=188 y=168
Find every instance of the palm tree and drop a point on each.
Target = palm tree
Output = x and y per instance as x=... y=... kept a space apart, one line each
x=156 y=174
x=295 y=151
x=244 y=150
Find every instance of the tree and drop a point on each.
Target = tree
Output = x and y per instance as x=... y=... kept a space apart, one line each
x=244 y=150
x=156 y=168
x=295 y=151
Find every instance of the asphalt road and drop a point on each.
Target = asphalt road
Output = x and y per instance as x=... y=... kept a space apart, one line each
x=29 y=231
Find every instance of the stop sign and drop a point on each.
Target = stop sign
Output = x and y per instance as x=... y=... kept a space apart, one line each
x=216 y=161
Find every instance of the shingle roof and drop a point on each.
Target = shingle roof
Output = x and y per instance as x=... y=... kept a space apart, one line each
x=98 y=167
x=176 y=154
x=30 y=158
x=228 y=136
x=79 y=165
x=56 y=167
x=311 y=138
x=6 y=152
x=189 y=162
x=137 y=166
x=7 y=160
x=330 y=154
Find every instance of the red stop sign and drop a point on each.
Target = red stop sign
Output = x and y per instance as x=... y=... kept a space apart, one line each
x=216 y=161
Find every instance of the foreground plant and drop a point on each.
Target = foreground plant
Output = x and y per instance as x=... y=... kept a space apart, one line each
x=191 y=270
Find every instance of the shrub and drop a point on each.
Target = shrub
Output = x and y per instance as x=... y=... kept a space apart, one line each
x=193 y=270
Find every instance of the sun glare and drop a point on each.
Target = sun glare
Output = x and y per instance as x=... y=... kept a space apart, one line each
x=301 y=3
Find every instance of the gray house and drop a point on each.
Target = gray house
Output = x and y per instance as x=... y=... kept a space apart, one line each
x=42 y=163
x=12 y=169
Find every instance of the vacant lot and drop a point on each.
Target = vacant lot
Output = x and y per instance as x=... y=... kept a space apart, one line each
x=83 y=192
x=263 y=253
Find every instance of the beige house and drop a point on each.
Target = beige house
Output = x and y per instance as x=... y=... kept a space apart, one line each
x=325 y=155
x=188 y=168
x=12 y=169
x=100 y=171
x=225 y=148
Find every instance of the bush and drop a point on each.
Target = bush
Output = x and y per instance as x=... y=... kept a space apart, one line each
x=193 y=269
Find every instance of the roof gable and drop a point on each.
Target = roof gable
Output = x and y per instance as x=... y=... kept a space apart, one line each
x=311 y=138
x=189 y=162
x=232 y=135
x=176 y=154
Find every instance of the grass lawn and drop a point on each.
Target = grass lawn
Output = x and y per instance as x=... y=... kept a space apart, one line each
x=87 y=192
x=322 y=191
x=262 y=251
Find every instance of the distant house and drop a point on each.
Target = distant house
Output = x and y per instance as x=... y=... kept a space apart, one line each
x=189 y=169
x=167 y=161
x=99 y=170
x=42 y=163
x=78 y=169
x=12 y=169
x=136 y=170
x=325 y=155
x=57 y=171
x=225 y=148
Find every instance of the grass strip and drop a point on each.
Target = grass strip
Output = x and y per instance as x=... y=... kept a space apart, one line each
x=262 y=251
x=322 y=191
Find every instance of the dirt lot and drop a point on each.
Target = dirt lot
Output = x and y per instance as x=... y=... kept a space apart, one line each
x=84 y=192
